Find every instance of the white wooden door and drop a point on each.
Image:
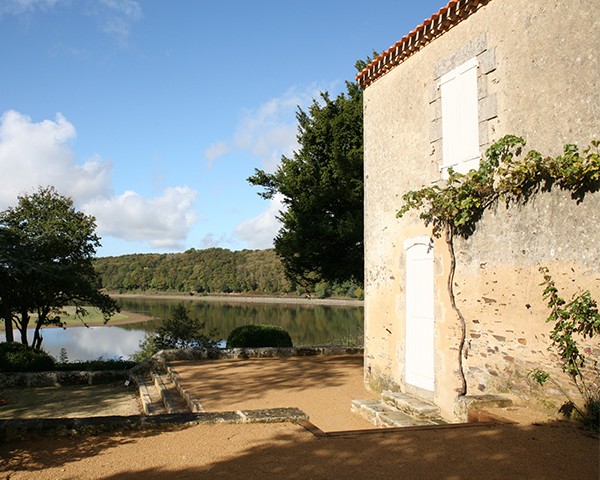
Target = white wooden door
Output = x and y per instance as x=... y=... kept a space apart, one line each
x=419 y=313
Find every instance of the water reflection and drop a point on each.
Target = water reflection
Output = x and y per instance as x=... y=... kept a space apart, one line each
x=89 y=343
x=306 y=324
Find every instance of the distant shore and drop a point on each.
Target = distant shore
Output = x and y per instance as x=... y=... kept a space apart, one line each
x=126 y=317
x=340 y=302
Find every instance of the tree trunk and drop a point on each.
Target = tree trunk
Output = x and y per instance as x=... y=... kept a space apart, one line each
x=8 y=322
x=37 y=336
x=23 y=327
x=463 y=324
x=8 y=329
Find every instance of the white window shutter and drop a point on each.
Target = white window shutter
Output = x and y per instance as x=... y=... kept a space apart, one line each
x=460 y=125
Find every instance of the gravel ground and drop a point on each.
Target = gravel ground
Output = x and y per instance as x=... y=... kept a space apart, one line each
x=548 y=451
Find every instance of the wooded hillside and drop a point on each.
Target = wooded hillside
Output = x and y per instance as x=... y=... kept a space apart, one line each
x=215 y=270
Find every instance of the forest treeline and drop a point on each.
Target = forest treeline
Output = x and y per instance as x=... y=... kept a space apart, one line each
x=211 y=271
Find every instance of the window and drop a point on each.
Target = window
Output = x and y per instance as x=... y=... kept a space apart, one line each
x=460 y=125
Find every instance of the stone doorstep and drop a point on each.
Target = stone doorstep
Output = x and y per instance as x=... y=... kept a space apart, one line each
x=382 y=414
x=370 y=409
x=401 y=419
x=411 y=405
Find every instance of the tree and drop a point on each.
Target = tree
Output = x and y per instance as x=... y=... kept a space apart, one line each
x=321 y=237
x=46 y=263
x=177 y=331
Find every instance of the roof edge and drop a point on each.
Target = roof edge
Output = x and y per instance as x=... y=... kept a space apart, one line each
x=447 y=17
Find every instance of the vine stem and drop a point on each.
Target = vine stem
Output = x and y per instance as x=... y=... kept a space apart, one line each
x=463 y=324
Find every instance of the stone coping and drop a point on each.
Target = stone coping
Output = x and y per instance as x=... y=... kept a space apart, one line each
x=17 y=428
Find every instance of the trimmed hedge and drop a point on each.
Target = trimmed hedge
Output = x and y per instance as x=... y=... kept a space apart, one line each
x=98 y=365
x=256 y=336
x=16 y=357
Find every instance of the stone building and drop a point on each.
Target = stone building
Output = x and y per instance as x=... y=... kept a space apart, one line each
x=472 y=73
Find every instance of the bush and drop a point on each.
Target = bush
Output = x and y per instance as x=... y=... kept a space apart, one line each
x=254 y=336
x=97 y=365
x=16 y=357
x=176 y=332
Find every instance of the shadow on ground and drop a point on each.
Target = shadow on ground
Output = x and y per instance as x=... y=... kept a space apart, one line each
x=69 y=401
x=251 y=452
x=229 y=380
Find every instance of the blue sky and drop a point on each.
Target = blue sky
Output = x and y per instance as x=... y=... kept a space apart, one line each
x=151 y=114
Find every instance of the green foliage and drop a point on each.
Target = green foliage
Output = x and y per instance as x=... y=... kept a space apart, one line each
x=47 y=252
x=321 y=186
x=503 y=175
x=176 y=332
x=16 y=357
x=100 y=364
x=353 y=341
x=255 y=336
x=211 y=271
x=506 y=175
x=573 y=320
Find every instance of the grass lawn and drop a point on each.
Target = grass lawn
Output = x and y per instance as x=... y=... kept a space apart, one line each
x=93 y=318
x=69 y=401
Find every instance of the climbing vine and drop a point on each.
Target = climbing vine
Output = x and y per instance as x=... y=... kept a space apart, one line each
x=578 y=318
x=506 y=175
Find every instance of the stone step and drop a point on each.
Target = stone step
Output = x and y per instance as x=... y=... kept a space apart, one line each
x=411 y=405
x=168 y=393
x=152 y=403
x=381 y=414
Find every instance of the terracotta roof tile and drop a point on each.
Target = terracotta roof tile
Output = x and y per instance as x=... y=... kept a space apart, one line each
x=431 y=28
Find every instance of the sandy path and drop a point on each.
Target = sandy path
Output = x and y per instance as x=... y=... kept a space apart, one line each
x=552 y=451
x=274 y=451
x=322 y=386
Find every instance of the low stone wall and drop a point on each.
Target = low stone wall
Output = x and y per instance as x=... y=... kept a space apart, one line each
x=218 y=353
x=54 y=427
x=160 y=360
x=55 y=379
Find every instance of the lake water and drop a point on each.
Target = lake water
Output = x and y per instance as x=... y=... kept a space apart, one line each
x=306 y=324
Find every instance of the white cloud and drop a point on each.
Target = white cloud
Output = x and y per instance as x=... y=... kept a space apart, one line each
x=116 y=17
x=18 y=7
x=38 y=154
x=259 y=232
x=210 y=241
x=163 y=222
x=268 y=131
x=215 y=151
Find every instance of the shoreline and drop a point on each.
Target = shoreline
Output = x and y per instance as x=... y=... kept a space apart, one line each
x=339 y=302
x=132 y=317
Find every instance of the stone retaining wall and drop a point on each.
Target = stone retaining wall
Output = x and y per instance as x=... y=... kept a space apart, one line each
x=55 y=379
x=53 y=427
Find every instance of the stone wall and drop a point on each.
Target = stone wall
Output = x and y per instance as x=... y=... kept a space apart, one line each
x=55 y=379
x=539 y=80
